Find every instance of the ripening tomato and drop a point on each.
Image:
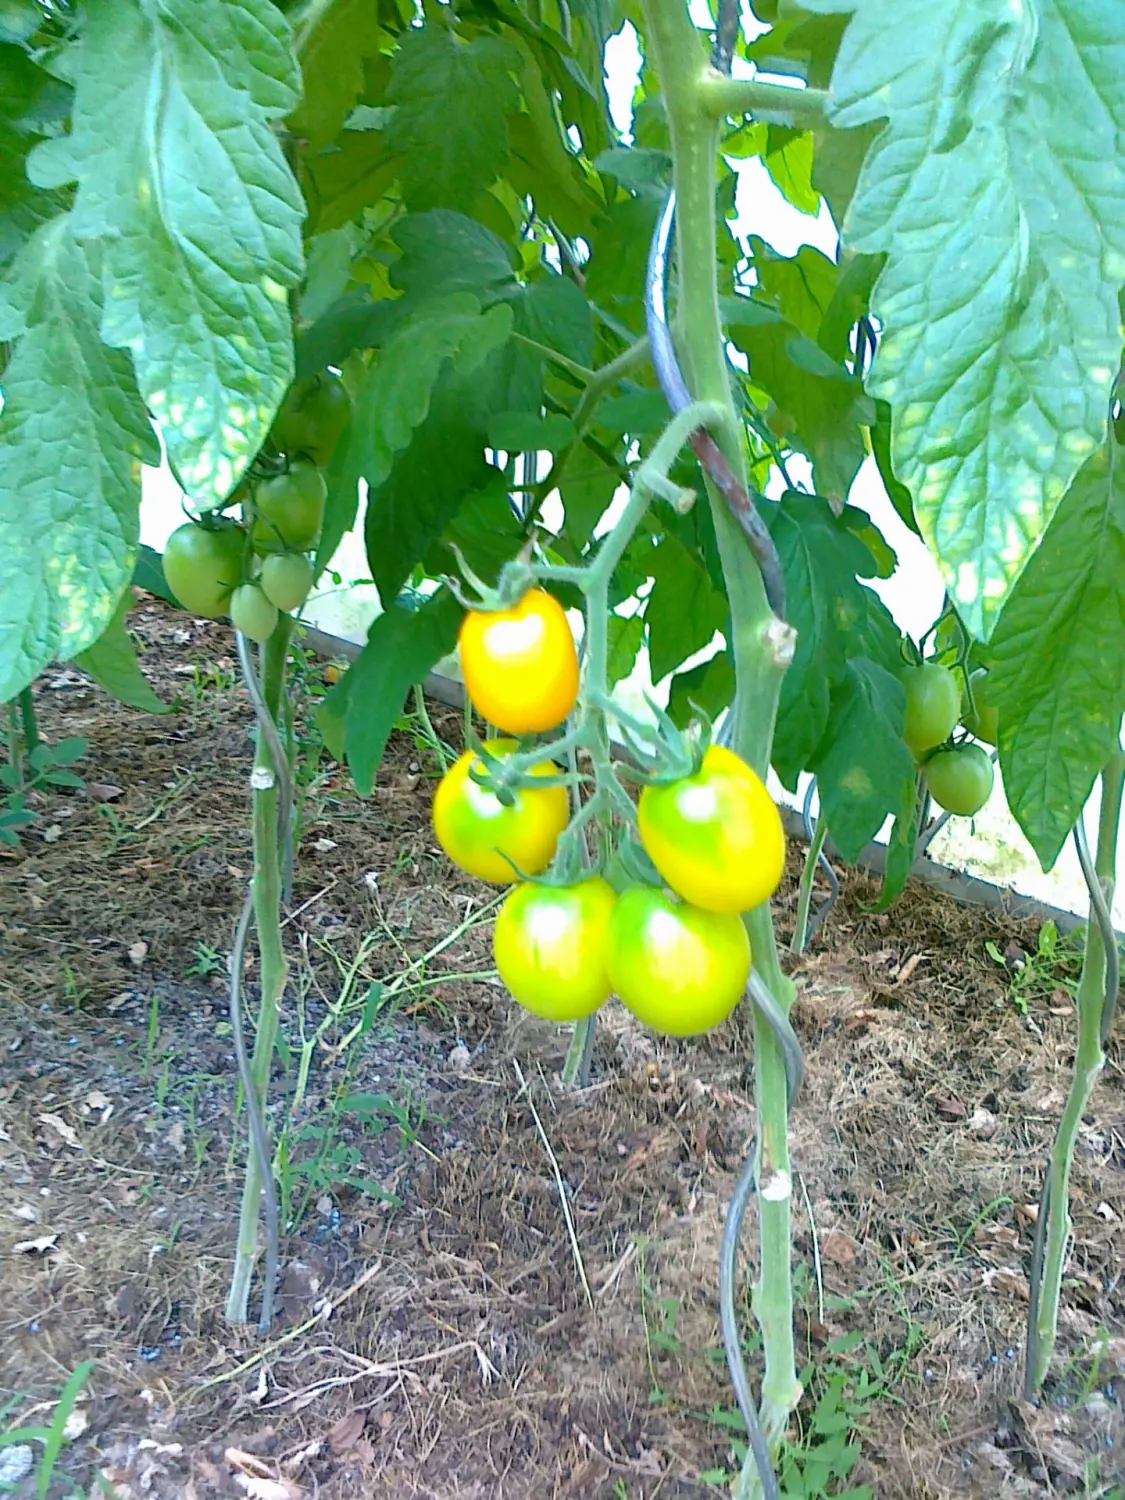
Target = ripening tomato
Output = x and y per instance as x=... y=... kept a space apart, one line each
x=549 y=945
x=933 y=705
x=716 y=836
x=252 y=613
x=312 y=417
x=679 y=969
x=960 y=780
x=286 y=579
x=289 y=508
x=983 y=719
x=486 y=838
x=203 y=566
x=520 y=665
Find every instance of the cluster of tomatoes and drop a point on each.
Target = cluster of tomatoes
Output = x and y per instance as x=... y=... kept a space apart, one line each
x=253 y=571
x=959 y=776
x=677 y=955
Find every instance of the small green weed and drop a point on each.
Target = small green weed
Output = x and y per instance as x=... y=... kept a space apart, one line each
x=1055 y=964
x=50 y=1439
x=44 y=766
x=207 y=961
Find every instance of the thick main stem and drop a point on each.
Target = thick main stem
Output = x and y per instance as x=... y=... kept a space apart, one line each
x=685 y=78
x=1089 y=1060
x=267 y=920
x=29 y=721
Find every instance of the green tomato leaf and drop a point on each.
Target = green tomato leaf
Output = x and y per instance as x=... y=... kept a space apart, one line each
x=683 y=611
x=900 y=846
x=112 y=662
x=835 y=616
x=73 y=436
x=825 y=400
x=863 y=769
x=148 y=574
x=395 y=397
x=801 y=287
x=524 y=432
x=452 y=98
x=351 y=174
x=708 y=686
x=180 y=174
x=788 y=159
x=442 y=466
x=402 y=645
x=997 y=191
x=27 y=92
x=332 y=47
x=445 y=252
x=625 y=635
x=554 y=312
x=1057 y=661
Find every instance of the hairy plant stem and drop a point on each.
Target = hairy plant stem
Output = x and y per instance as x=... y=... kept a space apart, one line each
x=16 y=748
x=1089 y=1060
x=30 y=721
x=720 y=95
x=688 y=83
x=272 y=965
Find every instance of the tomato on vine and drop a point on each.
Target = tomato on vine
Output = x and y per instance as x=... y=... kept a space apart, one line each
x=312 y=417
x=982 y=719
x=519 y=664
x=289 y=509
x=549 y=943
x=203 y=566
x=960 y=780
x=486 y=838
x=286 y=579
x=715 y=836
x=933 y=705
x=252 y=613
x=679 y=969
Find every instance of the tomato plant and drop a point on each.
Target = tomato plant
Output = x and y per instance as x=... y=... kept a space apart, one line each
x=312 y=418
x=679 y=969
x=289 y=509
x=550 y=947
x=519 y=664
x=960 y=779
x=203 y=566
x=716 y=835
x=485 y=837
x=933 y=706
x=472 y=258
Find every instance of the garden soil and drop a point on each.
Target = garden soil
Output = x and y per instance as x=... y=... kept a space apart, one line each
x=444 y=1332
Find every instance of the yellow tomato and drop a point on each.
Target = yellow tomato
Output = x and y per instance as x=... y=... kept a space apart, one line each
x=716 y=837
x=520 y=665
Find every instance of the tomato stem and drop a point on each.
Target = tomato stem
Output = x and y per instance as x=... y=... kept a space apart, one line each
x=1092 y=1000
x=695 y=99
x=267 y=888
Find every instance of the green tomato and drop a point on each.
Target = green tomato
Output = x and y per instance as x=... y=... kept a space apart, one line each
x=312 y=417
x=203 y=566
x=289 y=509
x=983 y=719
x=252 y=614
x=960 y=780
x=933 y=706
x=287 y=578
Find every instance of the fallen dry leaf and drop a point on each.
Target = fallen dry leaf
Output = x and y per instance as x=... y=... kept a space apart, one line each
x=38 y=1246
x=65 y=1132
x=950 y=1107
x=1009 y=1282
x=101 y=791
x=25 y=1211
x=347 y=1430
x=838 y=1247
x=138 y=951
x=76 y=1424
